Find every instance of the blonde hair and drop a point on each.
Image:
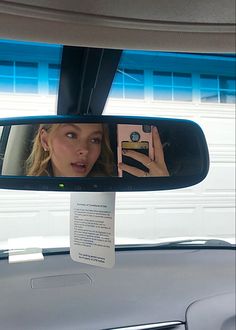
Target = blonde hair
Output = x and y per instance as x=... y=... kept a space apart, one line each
x=39 y=161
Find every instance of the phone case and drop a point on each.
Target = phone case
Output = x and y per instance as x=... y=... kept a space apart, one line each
x=135 y=137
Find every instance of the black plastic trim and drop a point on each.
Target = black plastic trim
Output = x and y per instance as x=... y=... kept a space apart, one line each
x=85 y=80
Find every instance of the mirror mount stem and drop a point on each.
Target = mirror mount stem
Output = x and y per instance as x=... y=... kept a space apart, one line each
x=86 y=78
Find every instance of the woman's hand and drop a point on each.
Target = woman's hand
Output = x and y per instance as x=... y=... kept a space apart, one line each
x=155 y=167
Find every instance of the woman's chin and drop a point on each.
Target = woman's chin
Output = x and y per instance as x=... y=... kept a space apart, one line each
x=73 y=171
x=79 y=171
x=71 y=174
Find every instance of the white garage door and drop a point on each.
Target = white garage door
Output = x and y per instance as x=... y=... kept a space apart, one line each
x=138 y=90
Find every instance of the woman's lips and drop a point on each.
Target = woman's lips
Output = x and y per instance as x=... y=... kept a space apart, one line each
x=79 y=168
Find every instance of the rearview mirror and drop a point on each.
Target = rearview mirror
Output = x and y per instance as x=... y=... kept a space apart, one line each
x=105 y=153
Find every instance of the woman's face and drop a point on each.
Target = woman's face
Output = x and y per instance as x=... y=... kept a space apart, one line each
x=74 y=148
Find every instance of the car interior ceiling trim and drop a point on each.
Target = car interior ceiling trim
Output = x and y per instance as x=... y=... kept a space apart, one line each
x=162 y=325
x=78 y=18
x=26 y=28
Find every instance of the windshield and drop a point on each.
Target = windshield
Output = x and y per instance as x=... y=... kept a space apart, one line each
x=200 y=87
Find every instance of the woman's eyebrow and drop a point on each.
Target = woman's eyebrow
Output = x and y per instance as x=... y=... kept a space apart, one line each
x=97 y=132
x=71 y=125
x=79 y=129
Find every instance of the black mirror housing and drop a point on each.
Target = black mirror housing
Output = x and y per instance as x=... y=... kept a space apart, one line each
x=183 y=148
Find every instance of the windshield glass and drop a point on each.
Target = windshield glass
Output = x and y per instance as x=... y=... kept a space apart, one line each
x=200 y=87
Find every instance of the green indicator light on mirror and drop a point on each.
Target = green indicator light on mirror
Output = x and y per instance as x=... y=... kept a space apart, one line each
x=61 y=185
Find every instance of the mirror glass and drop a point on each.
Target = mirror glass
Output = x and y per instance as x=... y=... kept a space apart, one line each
x=160 y=148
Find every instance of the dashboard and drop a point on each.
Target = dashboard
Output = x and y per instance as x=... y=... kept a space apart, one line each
x=168 y=289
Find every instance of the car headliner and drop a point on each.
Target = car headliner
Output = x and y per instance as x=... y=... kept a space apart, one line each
x=185 y=25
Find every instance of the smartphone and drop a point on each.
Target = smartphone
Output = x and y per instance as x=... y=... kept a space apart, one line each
x=133 y=137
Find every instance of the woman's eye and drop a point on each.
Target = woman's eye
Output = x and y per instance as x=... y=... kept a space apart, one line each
x=71 y=135
x=96 y=140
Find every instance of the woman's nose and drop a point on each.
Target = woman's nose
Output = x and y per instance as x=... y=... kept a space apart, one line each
x=82 y=149
x=83 y=152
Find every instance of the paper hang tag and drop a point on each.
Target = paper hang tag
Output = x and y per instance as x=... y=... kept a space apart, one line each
x=92 y=217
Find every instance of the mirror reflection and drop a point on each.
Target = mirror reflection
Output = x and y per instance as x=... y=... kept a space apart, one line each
x=71 y=150
x=98 y=150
